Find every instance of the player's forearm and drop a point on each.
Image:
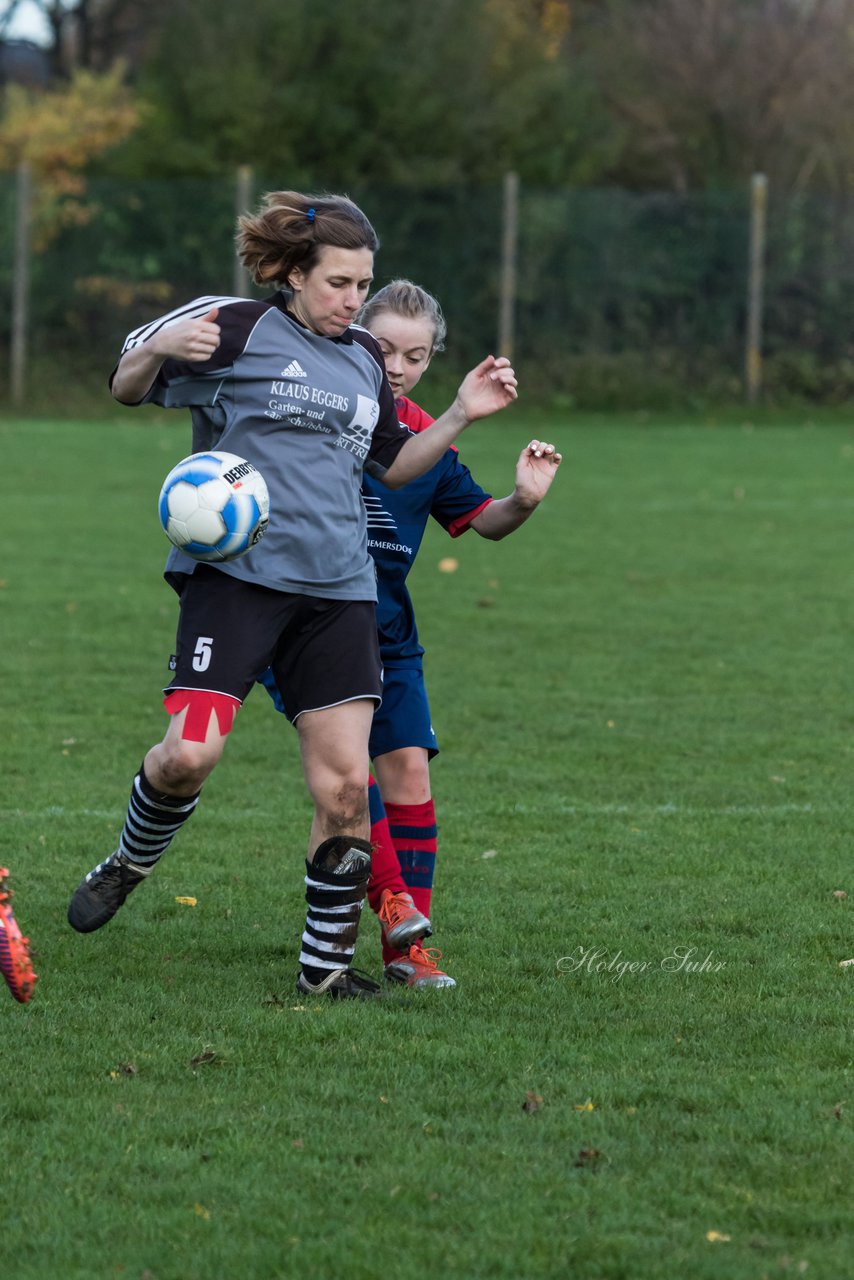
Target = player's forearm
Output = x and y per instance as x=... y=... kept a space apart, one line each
x=136 y=371
x=504 y=516
x=425 y=449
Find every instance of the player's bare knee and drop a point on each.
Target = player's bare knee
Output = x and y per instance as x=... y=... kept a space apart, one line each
x=414 y=779
x=184 y=764
x=345 y=806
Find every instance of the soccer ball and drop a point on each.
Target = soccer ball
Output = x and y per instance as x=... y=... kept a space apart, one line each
x=214 y=506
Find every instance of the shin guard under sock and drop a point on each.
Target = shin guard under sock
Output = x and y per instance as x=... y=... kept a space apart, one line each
x=336 y=883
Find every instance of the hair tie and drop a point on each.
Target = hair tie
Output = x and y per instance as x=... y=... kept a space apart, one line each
x=310 y=214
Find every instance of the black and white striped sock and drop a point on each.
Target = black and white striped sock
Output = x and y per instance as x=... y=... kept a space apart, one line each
x=336 y=883
x=153 y=818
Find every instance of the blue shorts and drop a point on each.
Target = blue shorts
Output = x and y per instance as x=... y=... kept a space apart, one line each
x=403 y=719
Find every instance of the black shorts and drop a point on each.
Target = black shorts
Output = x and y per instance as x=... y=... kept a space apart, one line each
x=322 y=652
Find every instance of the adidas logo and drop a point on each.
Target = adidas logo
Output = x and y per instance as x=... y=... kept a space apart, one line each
x=294 y=370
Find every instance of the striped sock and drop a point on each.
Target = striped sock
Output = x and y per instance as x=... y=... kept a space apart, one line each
x=335 y=886
x=385 y=868
x=153 y=818
x=414 y=833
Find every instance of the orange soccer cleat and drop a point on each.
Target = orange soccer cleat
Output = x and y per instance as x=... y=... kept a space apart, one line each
x=15 y=963
x=418 y=967
x=401 y=920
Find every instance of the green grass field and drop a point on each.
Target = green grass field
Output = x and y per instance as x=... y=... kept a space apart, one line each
x=645 y=706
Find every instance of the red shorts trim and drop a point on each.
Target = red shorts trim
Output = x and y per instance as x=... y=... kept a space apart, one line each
x=201 y=704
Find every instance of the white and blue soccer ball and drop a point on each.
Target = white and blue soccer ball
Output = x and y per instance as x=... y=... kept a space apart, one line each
x=214 y=506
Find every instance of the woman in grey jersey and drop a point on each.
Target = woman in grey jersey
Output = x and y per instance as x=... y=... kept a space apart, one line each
x=288 y=384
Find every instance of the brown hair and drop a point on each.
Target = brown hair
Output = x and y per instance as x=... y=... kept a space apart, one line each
x=403 y=298
x=290 y=229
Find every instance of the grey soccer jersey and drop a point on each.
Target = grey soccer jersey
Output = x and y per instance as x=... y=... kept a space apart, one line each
x=311 y=413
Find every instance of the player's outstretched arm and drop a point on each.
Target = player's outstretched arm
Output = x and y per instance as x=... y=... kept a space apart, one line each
x=190 y=340
x=535 y=470
x=483 y=391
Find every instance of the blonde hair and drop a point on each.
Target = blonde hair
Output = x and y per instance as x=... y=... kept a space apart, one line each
x=403 y=298
x=290 y=229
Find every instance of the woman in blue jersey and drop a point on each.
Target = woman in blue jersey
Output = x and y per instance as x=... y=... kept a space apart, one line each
x=287 y=383
x=410 y=328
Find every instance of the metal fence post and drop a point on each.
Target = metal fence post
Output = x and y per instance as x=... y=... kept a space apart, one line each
x=21 y=282
x=509 y=248
x=755 y=285
x=242 y=200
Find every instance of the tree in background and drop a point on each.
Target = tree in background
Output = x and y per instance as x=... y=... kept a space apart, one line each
x=337 y=93
x=708 y=91
x=674 y=94
x=59 y=132
x=92 y=35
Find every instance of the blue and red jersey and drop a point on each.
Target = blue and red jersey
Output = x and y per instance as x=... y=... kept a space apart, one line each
x=397 y=519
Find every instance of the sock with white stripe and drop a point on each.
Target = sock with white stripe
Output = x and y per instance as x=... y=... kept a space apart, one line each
x=336 y=882
x=153 y=819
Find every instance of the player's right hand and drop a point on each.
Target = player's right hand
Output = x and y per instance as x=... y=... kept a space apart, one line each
x=193 y=340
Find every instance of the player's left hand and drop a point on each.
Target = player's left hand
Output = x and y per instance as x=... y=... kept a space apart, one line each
x=535 y=469
x=488 y=388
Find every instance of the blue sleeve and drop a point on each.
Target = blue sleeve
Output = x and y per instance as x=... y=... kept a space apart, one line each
x=457 y=492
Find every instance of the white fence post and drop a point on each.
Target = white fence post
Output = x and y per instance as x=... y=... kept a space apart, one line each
x=755 y=285
x=21 y=282
x=241 y=283
x=509 y=248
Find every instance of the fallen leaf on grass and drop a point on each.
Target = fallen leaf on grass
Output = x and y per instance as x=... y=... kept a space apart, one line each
x=533 y=1102
x=123 y=1069
x=588 y=1158
x=448 y=565
x=839 y=893
x=201 y=1059
x=584 y=1106
x=717 y=1237
x=188 y=902
x=201 y=1212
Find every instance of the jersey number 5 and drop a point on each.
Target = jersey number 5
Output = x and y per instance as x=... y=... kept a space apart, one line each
x=202 y=653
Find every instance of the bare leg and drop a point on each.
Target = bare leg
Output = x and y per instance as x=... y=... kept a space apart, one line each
x=334 y=749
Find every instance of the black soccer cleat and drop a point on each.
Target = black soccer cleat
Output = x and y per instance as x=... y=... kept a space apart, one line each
x=341 y=984
x=97 y=898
